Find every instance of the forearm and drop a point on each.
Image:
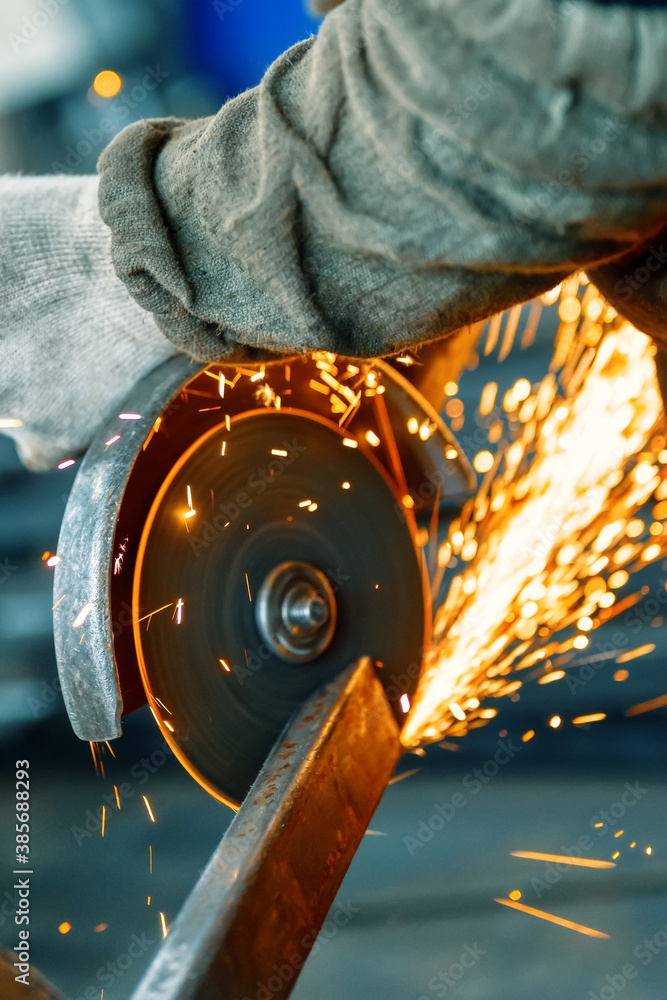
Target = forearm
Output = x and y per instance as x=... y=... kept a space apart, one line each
x=72 y=340
x=414 y=168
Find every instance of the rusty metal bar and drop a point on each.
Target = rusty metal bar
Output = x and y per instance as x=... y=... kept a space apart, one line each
x=254 y=915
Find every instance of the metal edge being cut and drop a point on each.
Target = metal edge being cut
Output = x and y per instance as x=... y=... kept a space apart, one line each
x=84 y=653
x=433 y=416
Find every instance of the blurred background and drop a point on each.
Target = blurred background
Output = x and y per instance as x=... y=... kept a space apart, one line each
x=173 y=58
x=419 y=903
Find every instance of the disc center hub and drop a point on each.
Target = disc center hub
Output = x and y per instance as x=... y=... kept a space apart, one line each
x=296 y=611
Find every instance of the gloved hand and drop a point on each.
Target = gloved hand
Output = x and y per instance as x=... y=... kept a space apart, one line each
x=636 y=285
x=72 y=339
x=414 y=168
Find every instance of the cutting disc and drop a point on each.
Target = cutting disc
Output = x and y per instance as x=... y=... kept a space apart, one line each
x=274 y=555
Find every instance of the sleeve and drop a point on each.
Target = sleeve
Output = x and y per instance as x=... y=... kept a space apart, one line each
x=73 y=342
x=418 y=165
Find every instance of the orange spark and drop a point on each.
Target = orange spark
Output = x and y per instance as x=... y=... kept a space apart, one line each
x=562 y=859
x=647 y=706
x=399 y=777
x=151 y=613
x=148 y=809
x=632 y=654
x=551 y=519
x=555 y=675
x=570 y=924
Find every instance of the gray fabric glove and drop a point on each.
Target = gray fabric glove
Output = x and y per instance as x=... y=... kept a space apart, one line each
x=419 y=165
x=72 y=339
x=636 y=285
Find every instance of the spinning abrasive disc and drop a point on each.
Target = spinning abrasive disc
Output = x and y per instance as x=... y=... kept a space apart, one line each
x=273 y=557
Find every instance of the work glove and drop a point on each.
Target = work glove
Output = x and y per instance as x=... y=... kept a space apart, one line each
x=416 y=167
x=636 y=285
x=72 y=339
